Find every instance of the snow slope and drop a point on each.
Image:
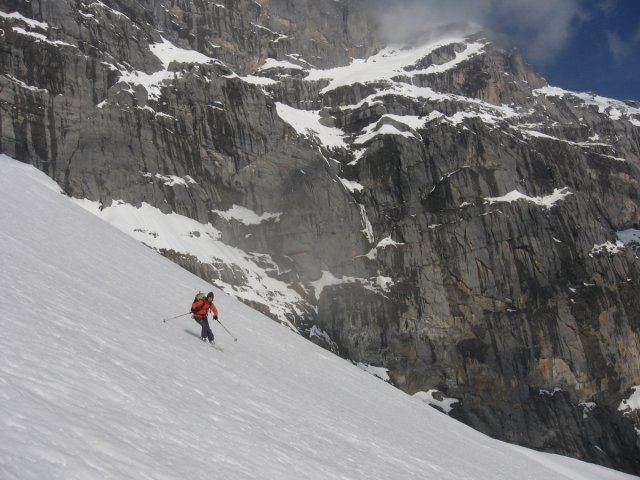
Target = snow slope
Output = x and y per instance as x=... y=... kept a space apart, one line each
x=94 y=385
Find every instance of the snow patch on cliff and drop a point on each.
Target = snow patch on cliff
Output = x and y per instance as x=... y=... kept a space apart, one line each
x=437 y=399
x=255 y=80
x=167 y=53
x=307 y=122
x=384 y=243
x=158 y=230
x=328 y=280
x=386 y=129
x=628 y=236
x=632 y=403
x=614 y=109
x=551 y=393
x=384 y=283
x=351 y=185
x=246 y=216
x=24 y=85
x=317 y=332
x=29 y=21
x=550 y=91
x=39 y=37
x=546 y=201
x=392 y=62
x=150 y=81
x=474 y=108
x=279 y=36
x=98 y=3
x=377 y=284
x=607 y=247
x=251 y=282
x=537 y=134
x=272 y=63
x=367 y=228
x=411 y=122
x=171 y=180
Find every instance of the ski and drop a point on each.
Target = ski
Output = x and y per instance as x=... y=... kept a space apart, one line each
x=213 y=345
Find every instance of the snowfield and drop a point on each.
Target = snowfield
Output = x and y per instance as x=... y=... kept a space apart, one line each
x=93 y=385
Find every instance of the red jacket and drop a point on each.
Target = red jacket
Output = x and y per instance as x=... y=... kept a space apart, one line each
x=201 y=308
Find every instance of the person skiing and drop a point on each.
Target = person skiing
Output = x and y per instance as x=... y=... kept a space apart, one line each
x=200 y=309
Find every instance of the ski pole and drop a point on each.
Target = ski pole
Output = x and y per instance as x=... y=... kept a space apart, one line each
x=234 y=338
x=165 y=320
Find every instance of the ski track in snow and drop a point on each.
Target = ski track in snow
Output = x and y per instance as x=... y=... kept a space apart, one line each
x=94 y=385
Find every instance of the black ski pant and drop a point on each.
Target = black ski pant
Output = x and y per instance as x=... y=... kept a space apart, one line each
x=206 y=329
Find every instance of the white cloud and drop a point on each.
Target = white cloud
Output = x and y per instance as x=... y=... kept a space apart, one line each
x=540 y=28
x=620 y=48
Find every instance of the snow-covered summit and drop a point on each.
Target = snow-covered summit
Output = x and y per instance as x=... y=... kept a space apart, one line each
x=434 y=77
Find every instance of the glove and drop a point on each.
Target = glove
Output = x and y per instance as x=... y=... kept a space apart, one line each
x=215 y=317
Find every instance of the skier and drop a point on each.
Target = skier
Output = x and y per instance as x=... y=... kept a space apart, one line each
x=200 y=309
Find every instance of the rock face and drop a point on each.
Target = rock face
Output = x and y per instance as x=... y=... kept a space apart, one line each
x=434 y=209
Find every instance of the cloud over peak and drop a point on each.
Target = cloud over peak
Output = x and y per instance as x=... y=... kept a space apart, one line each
x=621 y=48
x=539 y=28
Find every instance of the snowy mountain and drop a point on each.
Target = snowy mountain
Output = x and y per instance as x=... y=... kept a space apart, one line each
x=95 y=385
x=433 y=211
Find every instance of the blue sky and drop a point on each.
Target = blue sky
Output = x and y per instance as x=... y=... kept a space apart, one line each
x=583 y=45
x=603 y=54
